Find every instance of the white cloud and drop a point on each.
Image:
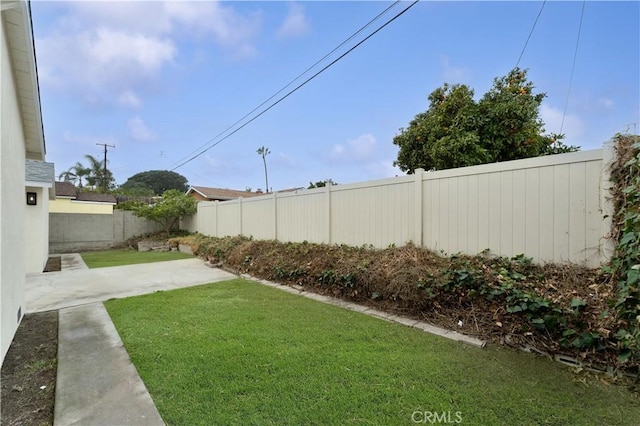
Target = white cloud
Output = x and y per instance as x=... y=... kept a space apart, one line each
x=452 y=74
x=606 y=103
x=285 y=160
x=295 y=23
x=383 y=169
x=98 y=63
x=113 y=52
x=139 y=131
x=573 y=127
x=360 y=149
x=216 y=166
x=130 y=99
x=117 y=49
x=212 y=20
x=147 y=17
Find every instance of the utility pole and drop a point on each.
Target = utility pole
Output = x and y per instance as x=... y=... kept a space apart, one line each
x=104 y=173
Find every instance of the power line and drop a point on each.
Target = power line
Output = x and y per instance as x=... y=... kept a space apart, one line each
x=530 y=33
x=294 y=80
x=299 y=86
x=573 y=66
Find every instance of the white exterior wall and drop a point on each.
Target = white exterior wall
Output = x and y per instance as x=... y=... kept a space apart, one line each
x=12 y=202
x=548 y=208
x=67 y=205
x=36 y=233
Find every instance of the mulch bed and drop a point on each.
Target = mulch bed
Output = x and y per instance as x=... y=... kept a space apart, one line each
x=29 y=372
x=54 y=264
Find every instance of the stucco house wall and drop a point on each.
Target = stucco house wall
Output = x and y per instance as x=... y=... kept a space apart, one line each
x=12 y=243
x=23 y=228
x=39 y=177
x=36 y=233
x=67 y=205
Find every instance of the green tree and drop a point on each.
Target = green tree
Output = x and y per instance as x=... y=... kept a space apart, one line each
x=137 y=189
x=263 y=152
x=321 y=183
x=99 y=177
x=457 y=131
x=174 y=206
x=158 y=181
x=75 y=174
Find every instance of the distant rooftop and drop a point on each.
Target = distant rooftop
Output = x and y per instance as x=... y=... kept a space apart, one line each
x=220 y=194
x=67 y=189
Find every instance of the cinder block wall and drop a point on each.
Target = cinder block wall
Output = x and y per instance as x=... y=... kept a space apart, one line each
x=70 y=232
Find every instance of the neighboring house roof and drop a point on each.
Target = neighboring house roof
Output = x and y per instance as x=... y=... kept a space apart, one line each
x=220 y=194
x=213 y=194
x=96 y=197
x=291 y=189
x=17 y=16
x=67 y=190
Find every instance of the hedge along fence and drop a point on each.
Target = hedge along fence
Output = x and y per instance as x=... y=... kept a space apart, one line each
x=625 y=264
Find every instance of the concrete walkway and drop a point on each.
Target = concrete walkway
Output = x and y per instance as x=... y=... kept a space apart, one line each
x=77 y=285
x=96 y=382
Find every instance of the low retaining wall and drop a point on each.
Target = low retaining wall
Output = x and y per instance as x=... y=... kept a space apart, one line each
x=71 y=232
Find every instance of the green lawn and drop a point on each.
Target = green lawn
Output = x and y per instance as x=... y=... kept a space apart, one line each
x=241 y=353
x=119 y=257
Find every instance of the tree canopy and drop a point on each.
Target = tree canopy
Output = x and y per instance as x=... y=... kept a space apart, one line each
x=457 y=131
x=321 y=183
x=94 y=175
x=174 y=205
x=157 y=181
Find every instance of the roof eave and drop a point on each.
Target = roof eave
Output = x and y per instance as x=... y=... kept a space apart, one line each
x=19 y=28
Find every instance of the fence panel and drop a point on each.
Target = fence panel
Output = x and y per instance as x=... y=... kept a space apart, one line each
x=547 y=208
x=206 y=218
x=378 y=213
x=258 y=218
x=303 y=216
x=229 y=218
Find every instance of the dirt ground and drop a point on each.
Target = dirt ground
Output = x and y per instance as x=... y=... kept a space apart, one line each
x=28 y=377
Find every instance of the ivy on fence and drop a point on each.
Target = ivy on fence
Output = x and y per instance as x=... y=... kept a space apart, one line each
x=625 y=264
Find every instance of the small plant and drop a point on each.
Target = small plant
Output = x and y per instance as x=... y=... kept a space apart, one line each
x=327 y=277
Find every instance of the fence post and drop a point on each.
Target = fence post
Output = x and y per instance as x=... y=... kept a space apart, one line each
x=240 y=207
x=275 y=216
x=196 y=222
x=217 y=214
x=607 y=246
x=417 y=199
x=327 y=189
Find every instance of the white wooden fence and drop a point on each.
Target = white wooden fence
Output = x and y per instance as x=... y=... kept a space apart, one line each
x=549 y=208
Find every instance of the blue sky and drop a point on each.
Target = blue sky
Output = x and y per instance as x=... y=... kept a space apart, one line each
x=160 y=79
